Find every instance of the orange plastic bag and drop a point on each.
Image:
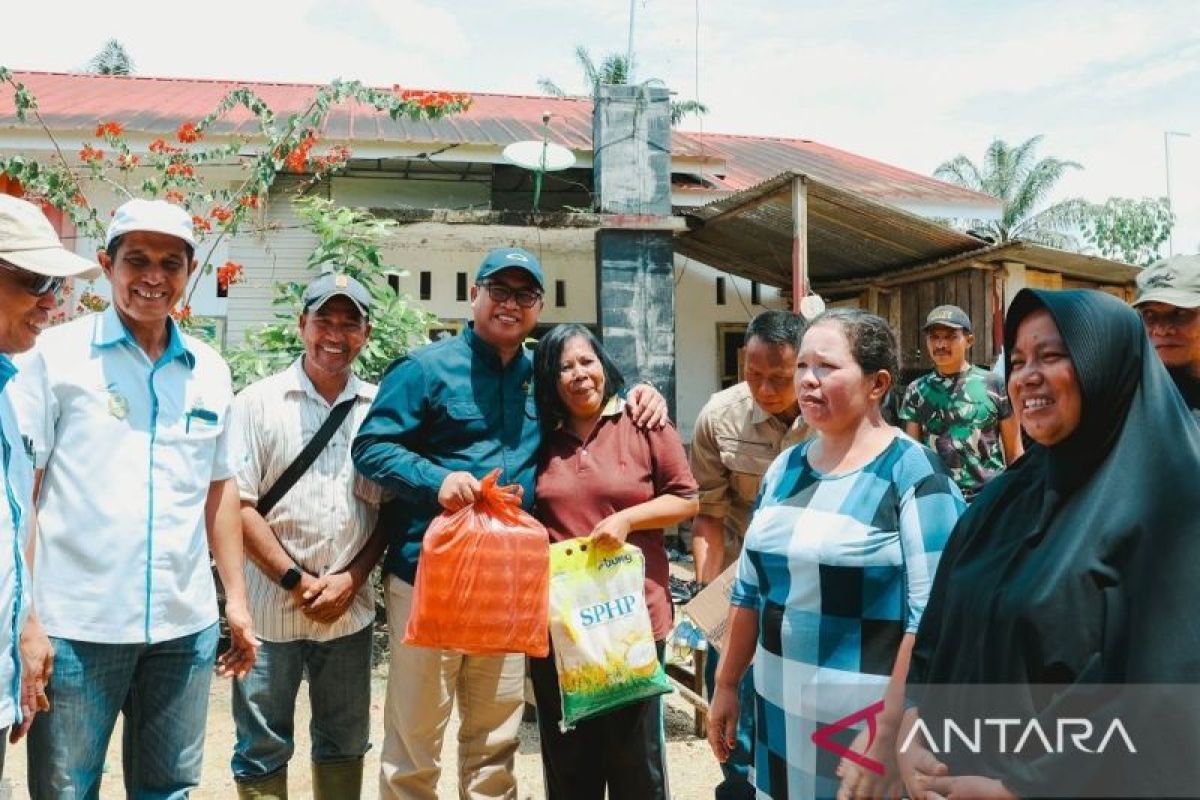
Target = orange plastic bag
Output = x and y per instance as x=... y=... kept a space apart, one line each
x=483 y=581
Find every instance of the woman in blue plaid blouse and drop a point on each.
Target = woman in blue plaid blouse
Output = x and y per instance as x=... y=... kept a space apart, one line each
x=834 y=575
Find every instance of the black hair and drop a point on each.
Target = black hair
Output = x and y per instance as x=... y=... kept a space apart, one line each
x=777 y=328
x=872 y=341
x=115 y=245
x=547 y=359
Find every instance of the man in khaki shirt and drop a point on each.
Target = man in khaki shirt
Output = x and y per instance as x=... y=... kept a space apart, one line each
x=738 y=434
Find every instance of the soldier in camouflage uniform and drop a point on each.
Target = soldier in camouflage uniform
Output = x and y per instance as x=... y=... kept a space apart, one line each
x=959 y=410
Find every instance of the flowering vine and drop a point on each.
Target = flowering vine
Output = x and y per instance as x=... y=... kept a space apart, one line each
x=171 y=168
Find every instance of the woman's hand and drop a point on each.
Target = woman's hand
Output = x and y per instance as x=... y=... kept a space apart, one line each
x=723 y=714
x=918 y=767
x=611 y=532
x=858 y=782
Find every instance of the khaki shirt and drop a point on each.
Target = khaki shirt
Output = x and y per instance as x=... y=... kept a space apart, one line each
x=733 y=443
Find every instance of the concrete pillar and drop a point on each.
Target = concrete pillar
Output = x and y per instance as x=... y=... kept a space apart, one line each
x=635 y=278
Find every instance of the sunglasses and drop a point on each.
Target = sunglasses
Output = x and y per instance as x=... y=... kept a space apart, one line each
x=37 y=285
x=501 y=294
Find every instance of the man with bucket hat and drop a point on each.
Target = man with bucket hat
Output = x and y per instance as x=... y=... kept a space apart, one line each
x=959 y=410
x=1168 y=298
x=129 y=422
x=309 y=522
x=33 y=268
x=446 y=416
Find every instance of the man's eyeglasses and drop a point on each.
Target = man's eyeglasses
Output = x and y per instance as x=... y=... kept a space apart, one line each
x=1175 y=318
x=37 y=285
x=501 y=294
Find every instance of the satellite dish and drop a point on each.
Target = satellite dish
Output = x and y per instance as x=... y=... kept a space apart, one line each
x=539 y=156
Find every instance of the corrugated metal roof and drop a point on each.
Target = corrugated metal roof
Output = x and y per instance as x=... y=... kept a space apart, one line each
x=852 y=239
x=849 y=236
x=73 y=101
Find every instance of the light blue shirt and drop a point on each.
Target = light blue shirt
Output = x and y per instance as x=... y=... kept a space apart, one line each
x=129 y=450
x=14 y=536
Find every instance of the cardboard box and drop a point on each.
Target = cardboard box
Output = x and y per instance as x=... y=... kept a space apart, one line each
x=709 y=610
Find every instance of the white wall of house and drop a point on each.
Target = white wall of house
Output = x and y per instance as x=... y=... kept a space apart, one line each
x=697 y=317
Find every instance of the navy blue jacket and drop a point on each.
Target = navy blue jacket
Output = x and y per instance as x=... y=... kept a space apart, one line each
x=448 y=407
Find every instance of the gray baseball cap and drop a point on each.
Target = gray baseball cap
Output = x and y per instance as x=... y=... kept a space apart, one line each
x=337 y=284
x=950 y=316
x=1175 y=281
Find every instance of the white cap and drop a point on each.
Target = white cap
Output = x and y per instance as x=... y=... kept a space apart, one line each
x=152 y=216
x=28 y=241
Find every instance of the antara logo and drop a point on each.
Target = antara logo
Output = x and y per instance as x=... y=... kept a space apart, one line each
x=823 y=737
x=1056 y=736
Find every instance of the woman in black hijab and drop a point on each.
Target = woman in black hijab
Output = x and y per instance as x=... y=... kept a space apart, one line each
x=1078 y=566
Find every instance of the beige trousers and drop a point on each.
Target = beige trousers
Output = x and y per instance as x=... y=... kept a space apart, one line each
x=422 y=686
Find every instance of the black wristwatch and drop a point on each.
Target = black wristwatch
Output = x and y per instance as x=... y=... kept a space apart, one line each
x=291 y=578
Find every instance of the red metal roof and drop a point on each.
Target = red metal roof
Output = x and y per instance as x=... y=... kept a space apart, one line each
x=76 y=101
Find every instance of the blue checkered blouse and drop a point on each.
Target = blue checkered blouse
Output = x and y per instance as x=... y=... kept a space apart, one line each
x=838 y=568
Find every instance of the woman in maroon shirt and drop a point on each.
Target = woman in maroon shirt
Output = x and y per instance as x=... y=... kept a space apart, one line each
x=599 y=476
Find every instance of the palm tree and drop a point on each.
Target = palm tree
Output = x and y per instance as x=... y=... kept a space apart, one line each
x=111 y=60
x=1022 y=182
x=615 y=68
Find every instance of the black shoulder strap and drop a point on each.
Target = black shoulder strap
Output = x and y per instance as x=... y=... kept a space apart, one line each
x=307 y=456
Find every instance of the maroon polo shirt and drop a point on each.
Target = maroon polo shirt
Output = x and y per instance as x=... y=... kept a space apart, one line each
x=580 y=483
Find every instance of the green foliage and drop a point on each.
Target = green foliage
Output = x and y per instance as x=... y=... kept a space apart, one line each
x=1023 y=182
x=111 y=60
x=1127 y=229
x=350 y=241
x=614 y=68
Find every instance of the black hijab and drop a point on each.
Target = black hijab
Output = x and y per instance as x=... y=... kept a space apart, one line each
x=1055 y=575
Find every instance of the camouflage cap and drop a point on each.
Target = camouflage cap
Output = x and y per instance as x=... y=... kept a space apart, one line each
x=1174 y=281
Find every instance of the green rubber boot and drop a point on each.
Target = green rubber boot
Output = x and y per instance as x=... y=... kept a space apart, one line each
x=338 y=780
x=272 y=787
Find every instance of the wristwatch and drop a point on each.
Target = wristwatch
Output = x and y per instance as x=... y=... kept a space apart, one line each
x=291 y=578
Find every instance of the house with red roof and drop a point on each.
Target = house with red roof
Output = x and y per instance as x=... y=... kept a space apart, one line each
x=456 y=196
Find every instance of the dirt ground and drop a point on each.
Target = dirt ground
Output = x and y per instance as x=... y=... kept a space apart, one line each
x=692 y=770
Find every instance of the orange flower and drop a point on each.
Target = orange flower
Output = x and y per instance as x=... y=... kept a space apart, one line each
x=174 y=196
x=188 y=133
x=182 y=314
x=180 y=169
x=127 y=161
x=200 y=223
x=248 y=201
x=90 y=154
x=160 y=146
x=221 y=214
x=113 y=129
x=228 y=274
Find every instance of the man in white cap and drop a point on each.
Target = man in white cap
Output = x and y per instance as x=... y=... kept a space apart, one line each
x=33 y=267
x=128 y=418
x=1168 y=298
x=309 y=522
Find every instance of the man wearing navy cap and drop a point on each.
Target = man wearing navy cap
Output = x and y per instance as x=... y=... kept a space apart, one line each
x=959 y=410
x=445 y=417
x=311 y=553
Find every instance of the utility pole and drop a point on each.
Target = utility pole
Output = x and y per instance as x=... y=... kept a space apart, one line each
x=1167 y=163
x=629 y=46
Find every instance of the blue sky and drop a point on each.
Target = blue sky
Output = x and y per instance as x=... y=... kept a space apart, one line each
x=912 y=83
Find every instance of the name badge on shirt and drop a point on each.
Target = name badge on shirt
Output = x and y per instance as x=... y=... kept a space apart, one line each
x=118 y=404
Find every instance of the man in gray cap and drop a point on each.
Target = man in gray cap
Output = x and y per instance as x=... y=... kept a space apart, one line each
x=1168 y=298
x=446 y=416
x=959 y=410
x=33 y=268
x=310 y=532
